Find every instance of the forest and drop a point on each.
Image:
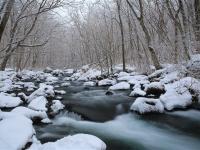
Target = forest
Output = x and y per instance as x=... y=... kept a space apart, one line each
x=99 y=74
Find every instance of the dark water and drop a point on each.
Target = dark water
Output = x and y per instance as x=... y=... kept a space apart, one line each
x=108 y=118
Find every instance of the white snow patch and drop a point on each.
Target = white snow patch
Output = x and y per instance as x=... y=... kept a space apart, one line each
x=56 y=106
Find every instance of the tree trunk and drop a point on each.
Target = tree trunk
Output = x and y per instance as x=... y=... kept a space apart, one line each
x=197 y=24
x=4 y=63
x=5 y=16
x=122 y=33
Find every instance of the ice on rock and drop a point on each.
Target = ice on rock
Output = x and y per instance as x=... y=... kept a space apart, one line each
x=89 y=83
x=57 y=106
x=120 y=86
x=38 y=103
x=7 y=101
x=29 y=113
x=75 y=142
x=147 y=105
x=106 y=82
x=15 y=132
x=44 y=90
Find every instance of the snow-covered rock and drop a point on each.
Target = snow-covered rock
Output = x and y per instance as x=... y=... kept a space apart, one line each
x=75 y=142
x=48 y=70
x=29 y=113
x=122 y=74
x=147 y=105
x=44 y=90
x=66 y=84
x=172 y=99
x=155 y=88
x=60 y=92
x=57 y=106
x=51 y=79
x=120 y=86
x=125 y=78
x=137 y=92
x=67 y=79
x=38 y=103
x=139 y=79
x=9 y=101
x=57 y=72
x=6 y=85
x=106 y=82
x=15 y=132
x=69 y=72
x=90 y=75
x=89 y=83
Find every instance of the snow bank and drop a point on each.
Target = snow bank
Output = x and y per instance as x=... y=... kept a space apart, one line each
x=15 y=132
x=9 y=101
x=75 y=142
x=57 y=106
x=106 y=82
x=38 y=103
x=120 y=86
x=147 y=105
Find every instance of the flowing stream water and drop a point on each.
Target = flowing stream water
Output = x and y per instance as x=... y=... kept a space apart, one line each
x=108 y=117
